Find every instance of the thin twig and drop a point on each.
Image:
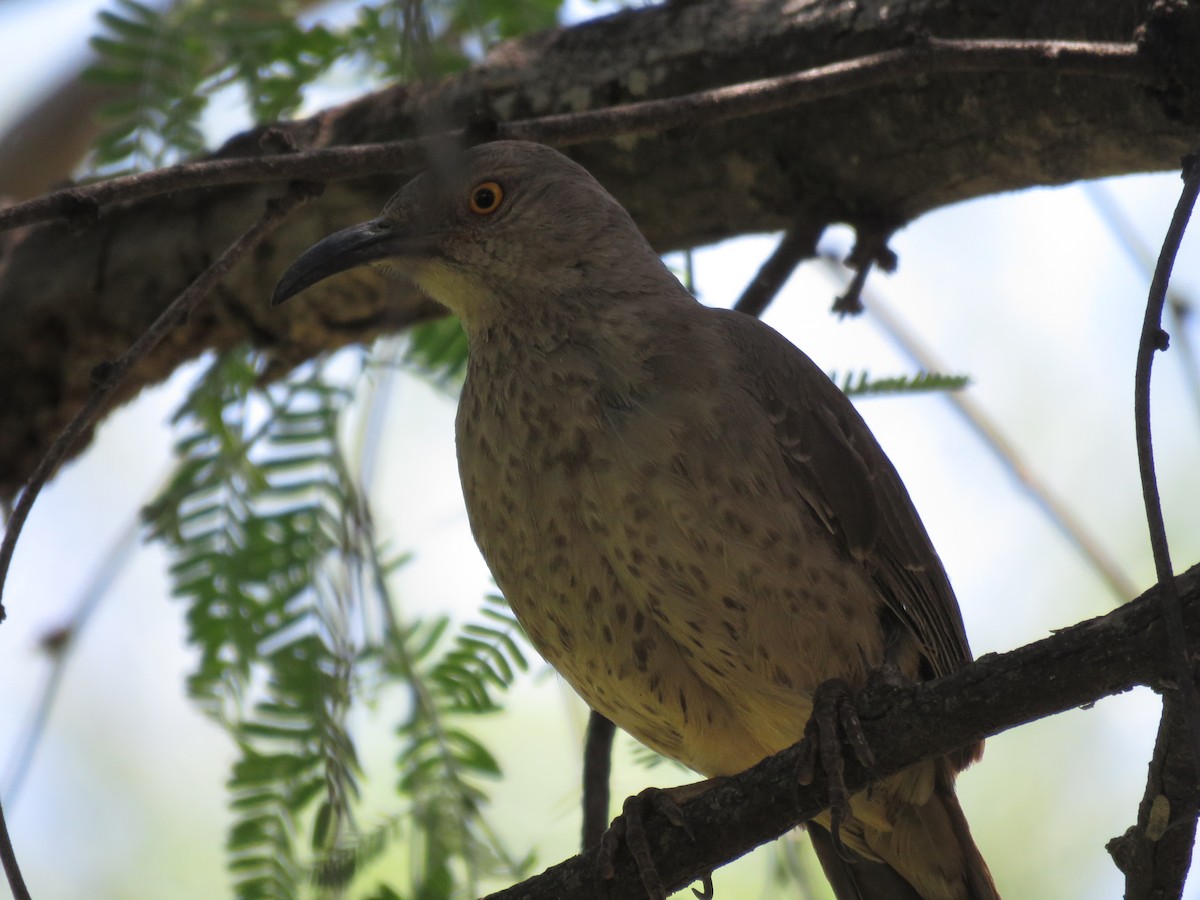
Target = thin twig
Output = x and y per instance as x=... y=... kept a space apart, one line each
x=1154 y=338
x=849 y=302
x=110 y=375
x=926 y=57
x=1056 y=510
x=689 y=271
x=870 y=249
x=8 y=858
x=797 y=244
x=1179 y=307
x=59 y=645
x=109 y=379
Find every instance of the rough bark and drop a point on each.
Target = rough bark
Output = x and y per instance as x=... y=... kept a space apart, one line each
x=1074 y=667
x=71 y=298
x=1156 y=853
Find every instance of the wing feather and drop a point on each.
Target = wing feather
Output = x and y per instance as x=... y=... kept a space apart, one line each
x=842 y=474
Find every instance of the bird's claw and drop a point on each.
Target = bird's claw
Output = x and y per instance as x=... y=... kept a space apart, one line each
x=834 y=721
x=630 y=827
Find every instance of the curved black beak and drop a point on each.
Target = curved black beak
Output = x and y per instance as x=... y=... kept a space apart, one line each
x=346 y=249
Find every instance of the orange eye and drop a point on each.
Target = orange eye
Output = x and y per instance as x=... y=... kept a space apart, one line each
x=486 y=198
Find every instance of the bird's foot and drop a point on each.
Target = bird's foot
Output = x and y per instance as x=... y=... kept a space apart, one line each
x=885 y=680
x=834 y=722
x=630 y=828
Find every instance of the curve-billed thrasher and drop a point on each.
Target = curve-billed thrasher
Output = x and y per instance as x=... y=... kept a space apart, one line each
x=692 y=523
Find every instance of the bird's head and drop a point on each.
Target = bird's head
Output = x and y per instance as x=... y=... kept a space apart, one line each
x=498 y=228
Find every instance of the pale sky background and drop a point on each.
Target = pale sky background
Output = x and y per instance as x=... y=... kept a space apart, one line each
x=1029 y=294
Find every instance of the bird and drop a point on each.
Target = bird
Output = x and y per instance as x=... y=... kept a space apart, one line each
x=692 y=523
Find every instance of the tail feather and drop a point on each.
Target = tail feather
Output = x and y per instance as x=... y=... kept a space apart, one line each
x=906 y=843
x=854 y=877
x=979 y=877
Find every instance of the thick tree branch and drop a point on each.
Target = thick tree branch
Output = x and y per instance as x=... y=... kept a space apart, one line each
x=923 y=58
x=1075 y=667
x=109 y=375
x=902 y=128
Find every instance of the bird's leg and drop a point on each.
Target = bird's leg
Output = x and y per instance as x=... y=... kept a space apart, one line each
x=834 y=720
x=597 y=765
x=630 y=828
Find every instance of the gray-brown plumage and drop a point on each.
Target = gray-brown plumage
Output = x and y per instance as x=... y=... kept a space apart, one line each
x=692 y=523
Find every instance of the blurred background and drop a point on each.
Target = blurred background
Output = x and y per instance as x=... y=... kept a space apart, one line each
x=1037 y=297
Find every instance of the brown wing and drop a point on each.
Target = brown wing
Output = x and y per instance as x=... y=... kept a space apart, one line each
x=843 y=475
